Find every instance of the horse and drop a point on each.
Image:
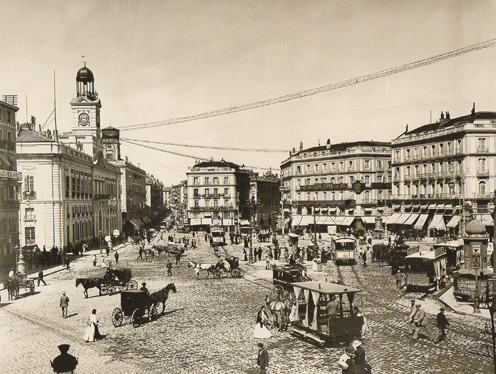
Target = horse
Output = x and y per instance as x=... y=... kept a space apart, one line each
x=197 y=267
x=161 y=296
x=13 y=288
x=381 y=253
x=90 y=283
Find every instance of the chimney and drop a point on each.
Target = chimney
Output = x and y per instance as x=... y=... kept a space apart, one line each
x=442 y=115
x=301 y=146
x=447 y=115
x=473 y=109
x=328 y=144
x=406 y=130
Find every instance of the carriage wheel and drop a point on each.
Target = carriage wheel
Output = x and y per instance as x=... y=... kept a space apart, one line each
x=132 y=285
x=117 y=317
x=136 y=317
x=216 y=274
x=31 y=288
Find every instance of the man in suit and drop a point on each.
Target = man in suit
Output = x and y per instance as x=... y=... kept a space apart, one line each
x=263 y=358
x=64 y=304
x=418 y=320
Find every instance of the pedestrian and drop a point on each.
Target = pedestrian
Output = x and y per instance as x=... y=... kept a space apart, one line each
x=94 y=261
x=361 y=366
x=399 y=279
x=262 y=358
x=245 y=258
x=413 y=310
x=178 y=257
x=67 y=263
x=169 y=268
x=441 y=324
x=365 y=325
x=364 y=258
x=419 y=320
x=116 y=256
x=267 y=261
x=107 y=249
x=40 y=277
x=64 y=304
x=92 y=332
x=64 y=363
x=346 y=361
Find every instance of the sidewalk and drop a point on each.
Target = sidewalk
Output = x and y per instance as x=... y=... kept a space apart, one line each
x=464 y=308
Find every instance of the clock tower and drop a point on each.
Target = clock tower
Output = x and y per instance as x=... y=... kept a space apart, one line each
x=86 y=105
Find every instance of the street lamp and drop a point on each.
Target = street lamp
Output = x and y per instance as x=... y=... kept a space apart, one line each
x=284 y=197
x=112 y=201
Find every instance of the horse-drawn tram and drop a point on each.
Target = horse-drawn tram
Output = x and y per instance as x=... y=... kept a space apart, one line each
x=284 y=276
x=345 y=250
x=326 y=312
x=426 y=269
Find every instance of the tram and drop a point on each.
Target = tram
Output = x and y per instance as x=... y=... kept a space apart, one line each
x=426 y=270
x=316 y=322
x=345 y=250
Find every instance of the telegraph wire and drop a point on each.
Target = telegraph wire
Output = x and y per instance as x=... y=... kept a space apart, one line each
x=184 y=154
x=268 y=150
x=151 y=159
x=334 y=86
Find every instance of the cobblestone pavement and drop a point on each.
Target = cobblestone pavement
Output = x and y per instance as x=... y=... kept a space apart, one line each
x=208 y=326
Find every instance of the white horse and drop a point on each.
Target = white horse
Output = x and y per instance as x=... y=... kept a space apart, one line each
x=197 y=267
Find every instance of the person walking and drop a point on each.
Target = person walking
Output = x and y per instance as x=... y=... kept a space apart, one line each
x=364 y=256
x=418 y=320
x=178 y=257
x=413 y=310
x=94 y=261
x=346 y=361
x=169 y=268
x=116 y=256
x=64 y=304
x=40 y=278
x=92 y=333
x=441 y=324
x=262 y=358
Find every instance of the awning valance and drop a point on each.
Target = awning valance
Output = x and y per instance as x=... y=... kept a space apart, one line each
x=437 y=223
x=338 y=220
x=368 y=220
x=432 y=206
x=195 y=221
x=411 y=219
x=454 y=221
x=421 y=222
x=206 y=221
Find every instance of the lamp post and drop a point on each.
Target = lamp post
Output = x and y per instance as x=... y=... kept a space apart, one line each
x=252 y=209
x=112 y=201
x=283 y=199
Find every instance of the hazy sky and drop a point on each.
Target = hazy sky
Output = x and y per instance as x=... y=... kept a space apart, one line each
x=156 y=60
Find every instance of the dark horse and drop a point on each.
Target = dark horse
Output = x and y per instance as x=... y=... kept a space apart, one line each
x=13 y=288
x=161 y=297
x=90 y=283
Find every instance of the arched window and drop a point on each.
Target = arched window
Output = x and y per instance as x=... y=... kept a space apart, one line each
x=367 y=196
x=482 y=188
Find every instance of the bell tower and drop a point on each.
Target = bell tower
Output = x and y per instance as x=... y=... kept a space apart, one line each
x=86 y=105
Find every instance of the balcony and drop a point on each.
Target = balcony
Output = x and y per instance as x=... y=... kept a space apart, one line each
x=211 y=208
x=482 y=150
x=381 y=185
x=30 y=218
x=483 y=173
x=28 y=195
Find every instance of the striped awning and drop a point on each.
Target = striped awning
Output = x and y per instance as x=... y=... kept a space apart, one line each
x=402 y=219
x=421 y=222
x=347 y=221
x=392 y=219
x=325 y=220
x=437 y=223
x=338 y=220
x=454 y=221
x=368 y=220
x=411 y=219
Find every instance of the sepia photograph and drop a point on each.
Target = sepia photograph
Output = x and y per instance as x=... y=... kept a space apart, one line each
x=247 y=186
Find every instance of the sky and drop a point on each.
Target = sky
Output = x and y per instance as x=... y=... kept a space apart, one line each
x=158 y=60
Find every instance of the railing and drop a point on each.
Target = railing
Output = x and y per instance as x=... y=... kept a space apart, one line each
x=482 y=150
x=30 y=218
x=211 y=208
x=483 y=173
x=381 y=185
x=325 y=186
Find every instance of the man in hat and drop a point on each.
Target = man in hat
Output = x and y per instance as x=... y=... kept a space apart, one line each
x=441 y=324
x=263 y=358
x=418 y=320
x=169 y=268
x=361 y=365
x=413 y=310
x=346 y=361
x=64 y=304
x=64 y=363
x=143 y=288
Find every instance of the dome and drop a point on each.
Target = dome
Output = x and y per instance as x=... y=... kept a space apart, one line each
x=475 y=227
x=84 y=75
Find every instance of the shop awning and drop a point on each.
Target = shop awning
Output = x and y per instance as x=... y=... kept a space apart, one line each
x=454 y=221
x=396 y=206
x=5 y=161
x=392 y=219
x=338 y=220
x=423 y=206
x=244 y=222
x=419 y=225
x=437 y=223
x=403 y=218
x=408 y=206
x=368 y=220
x=432 y=206
x=347 y=221
x=195 y=221
x=317 y=209
x=325 y=220
x=440 y=207
x=448 y=207
x=411 y=219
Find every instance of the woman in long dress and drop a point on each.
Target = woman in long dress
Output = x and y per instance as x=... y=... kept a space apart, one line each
x=261 y=330
x=293 y=316
x=92 y=332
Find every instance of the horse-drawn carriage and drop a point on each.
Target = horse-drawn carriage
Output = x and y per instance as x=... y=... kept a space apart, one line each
x=138 y=303
x=16 y=282
x=108 y=281
x=228 y=265
x=284 y=276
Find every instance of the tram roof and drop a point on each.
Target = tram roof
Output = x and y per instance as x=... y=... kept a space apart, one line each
x=325 y=287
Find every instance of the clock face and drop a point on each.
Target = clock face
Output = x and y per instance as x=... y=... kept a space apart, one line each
x=84 y=119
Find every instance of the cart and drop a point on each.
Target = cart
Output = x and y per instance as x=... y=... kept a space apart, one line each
x=316 y=323
x=234 y=270
x=118 y=279
x=134 y=304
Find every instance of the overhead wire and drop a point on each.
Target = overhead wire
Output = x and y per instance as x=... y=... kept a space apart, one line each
x=153 y=160
x=334 y=86
x=184 y=154
x=224 y=148
x=42 y=127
